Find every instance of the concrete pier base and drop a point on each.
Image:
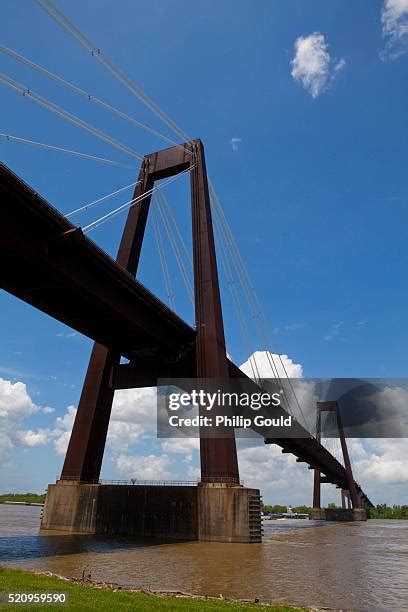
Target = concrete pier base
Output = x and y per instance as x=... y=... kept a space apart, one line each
x=210 y=512
x=229 y=513
x=338 y=514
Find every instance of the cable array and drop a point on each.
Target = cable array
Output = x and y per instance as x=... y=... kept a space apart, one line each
x=91 y=98
x=29 y=93
x=162 y=257
x=169 y=224
x=85 y=42
x=113 y=213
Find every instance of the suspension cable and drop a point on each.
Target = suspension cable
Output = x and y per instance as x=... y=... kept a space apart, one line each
x=270 y=358
x=253 y=302
x=95 y=202
x=72 y=29
x=235 y=299
x=130 y=203
x=176 y=250
x=42 y=145
x=275 y=372
x=89 y=97
x=68 y=116
x=175 y=225
x=162 y=255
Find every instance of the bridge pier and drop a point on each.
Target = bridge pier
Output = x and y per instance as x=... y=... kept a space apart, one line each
x=207 y=512
x=338 y=514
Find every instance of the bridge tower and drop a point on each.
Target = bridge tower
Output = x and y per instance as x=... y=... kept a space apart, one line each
x=219 y=493
x=218 y=455
x=355 y=503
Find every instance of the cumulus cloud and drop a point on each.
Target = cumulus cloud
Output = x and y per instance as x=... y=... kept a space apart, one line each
x=147 y=467
x=380 y=465
x=394 y=19
x=122 y=435
x=185 y=446
x=279 y=477
x=47 y=410
x=265 y=363
x=62 y=430
x=382 y=461
x=135 y=406
x=15 y=406
x=312 y=65
x=33 y=438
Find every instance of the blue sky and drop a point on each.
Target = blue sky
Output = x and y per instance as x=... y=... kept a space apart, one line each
x=315 y=192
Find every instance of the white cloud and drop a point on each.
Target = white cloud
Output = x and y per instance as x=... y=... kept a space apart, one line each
x=47 y=410
x=135 y=406
x=121 y=435
x=279 y=477
x=33 y=438
x=380 y=465
x=312 y=65
x=394 y=19
x=265 y=363
x=15 y=406
x=185 y=446
x=15 y=401
x=383 y=461
x=148 y=467
x=62 y=431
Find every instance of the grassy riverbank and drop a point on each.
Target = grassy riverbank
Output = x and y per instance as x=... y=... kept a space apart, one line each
x=83 y=596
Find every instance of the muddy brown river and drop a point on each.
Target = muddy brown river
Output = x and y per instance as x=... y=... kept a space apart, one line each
x=353 y=566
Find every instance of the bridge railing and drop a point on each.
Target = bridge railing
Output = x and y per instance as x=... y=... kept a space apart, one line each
x=161 y=483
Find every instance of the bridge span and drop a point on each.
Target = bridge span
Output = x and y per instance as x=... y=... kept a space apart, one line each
x=50 y=264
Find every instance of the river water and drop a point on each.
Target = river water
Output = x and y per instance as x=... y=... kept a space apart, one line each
x=361 y=566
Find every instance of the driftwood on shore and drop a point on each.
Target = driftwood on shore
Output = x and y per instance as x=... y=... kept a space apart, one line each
x=87 y=580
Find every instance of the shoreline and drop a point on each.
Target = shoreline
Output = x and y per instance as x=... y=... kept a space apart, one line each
x=106 y=594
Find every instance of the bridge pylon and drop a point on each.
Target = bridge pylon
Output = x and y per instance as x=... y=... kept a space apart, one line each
x=355 y=508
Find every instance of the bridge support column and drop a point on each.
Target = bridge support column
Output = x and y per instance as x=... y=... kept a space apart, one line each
x=218 y=455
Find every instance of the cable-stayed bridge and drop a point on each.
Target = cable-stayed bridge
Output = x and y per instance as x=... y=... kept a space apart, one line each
x=54 y=266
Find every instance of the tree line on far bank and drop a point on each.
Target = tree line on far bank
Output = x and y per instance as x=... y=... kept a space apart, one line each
x=26 y=498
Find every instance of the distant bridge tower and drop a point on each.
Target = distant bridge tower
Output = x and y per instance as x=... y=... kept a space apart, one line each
x=350 y=493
